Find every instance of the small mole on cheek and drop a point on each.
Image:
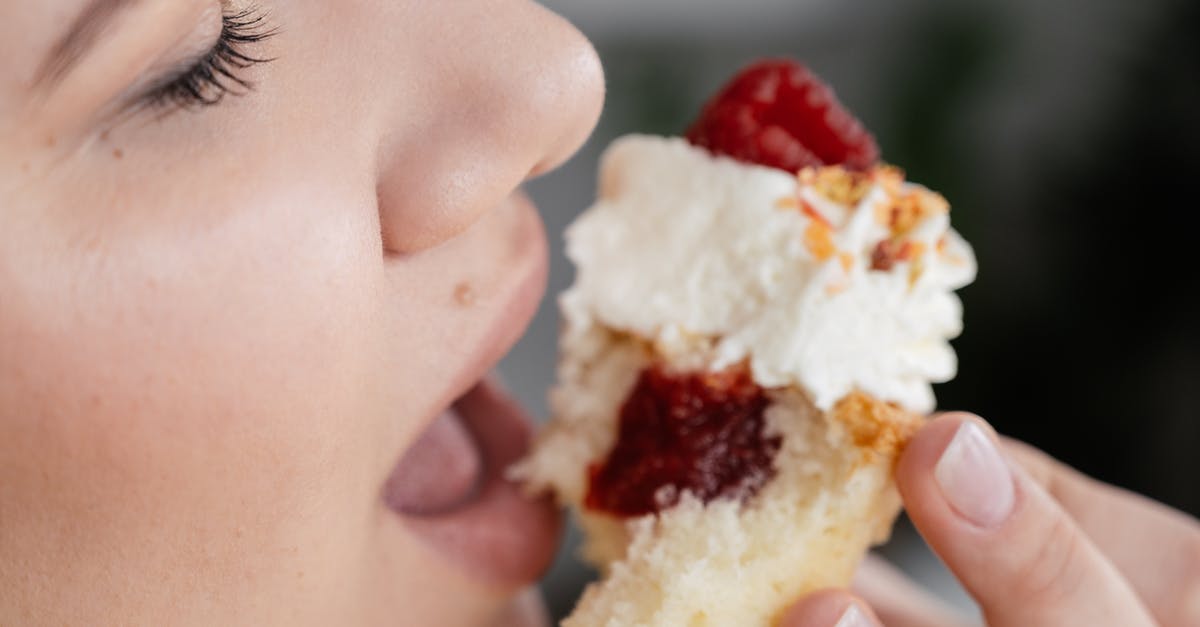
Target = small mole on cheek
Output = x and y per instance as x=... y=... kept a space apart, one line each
x=103 y=136
x=51 y=141
x=464 y=294
x=118 y=153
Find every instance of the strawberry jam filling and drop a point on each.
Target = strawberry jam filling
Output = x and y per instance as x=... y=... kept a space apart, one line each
x=696 y=432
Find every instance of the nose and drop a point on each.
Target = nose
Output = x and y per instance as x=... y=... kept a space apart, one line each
x=501 y=91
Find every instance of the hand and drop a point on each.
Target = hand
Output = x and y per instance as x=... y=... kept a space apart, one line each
x=1033 y=541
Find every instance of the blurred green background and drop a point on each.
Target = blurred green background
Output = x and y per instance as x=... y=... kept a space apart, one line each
x=1065 y=134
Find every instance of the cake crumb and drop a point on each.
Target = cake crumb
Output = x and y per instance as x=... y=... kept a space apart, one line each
x=889 y=177
x=902 y=212
x=847 y=261
x=880 y=427
x=819 y=240
x=812 y=213
x=890 y=252
x=842 y=186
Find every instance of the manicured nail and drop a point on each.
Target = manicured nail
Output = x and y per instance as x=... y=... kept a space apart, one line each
x=854 y=617
x=974 y=477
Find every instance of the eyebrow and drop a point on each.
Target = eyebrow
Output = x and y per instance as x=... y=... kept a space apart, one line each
x=79 y=39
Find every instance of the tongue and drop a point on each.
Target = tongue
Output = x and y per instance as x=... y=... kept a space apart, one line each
x=439 y=472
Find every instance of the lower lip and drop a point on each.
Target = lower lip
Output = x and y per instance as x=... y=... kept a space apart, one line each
x=500 y=536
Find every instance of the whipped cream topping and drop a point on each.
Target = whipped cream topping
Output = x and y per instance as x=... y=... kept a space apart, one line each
x=831 y=281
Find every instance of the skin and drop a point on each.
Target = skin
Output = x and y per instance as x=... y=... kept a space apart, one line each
x=1072 y=551
x=221 y=328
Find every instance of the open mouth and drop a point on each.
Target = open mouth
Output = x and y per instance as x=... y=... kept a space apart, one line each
x=450 y=489
x=440 y=473
x=447 y=488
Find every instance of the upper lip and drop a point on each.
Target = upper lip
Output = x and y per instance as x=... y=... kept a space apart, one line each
x=500 y=537
x=520 y=302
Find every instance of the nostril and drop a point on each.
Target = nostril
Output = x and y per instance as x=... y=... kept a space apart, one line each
x=437 y=190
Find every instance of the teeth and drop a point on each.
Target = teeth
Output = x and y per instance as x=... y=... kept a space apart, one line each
x=439 y=472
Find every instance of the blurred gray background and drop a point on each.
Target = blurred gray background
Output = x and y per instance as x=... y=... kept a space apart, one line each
x=1065 y=134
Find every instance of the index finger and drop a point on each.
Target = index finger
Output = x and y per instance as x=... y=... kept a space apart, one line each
x=1155 y=547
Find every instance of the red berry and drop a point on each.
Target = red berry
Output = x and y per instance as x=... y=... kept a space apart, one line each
x=702 y=433
x=778 y=114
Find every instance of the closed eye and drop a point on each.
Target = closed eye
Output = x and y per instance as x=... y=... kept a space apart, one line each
x=219 y=72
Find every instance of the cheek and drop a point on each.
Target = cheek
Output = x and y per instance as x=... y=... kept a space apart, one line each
x=199 y=384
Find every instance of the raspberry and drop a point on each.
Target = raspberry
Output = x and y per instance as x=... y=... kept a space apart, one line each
x=778 y=114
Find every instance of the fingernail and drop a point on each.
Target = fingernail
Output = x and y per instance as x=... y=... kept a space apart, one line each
x=974 y=477
x=854 y=617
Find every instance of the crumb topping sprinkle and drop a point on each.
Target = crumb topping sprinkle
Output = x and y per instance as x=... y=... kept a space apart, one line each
x=899 y=208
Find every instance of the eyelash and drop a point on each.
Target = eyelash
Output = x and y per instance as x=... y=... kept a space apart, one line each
x=217 y=73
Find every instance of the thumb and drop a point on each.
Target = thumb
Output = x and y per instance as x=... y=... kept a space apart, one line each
x=829 y=608
x=1013 y=548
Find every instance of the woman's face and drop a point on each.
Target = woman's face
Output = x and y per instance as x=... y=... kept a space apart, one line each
x=223 y=328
